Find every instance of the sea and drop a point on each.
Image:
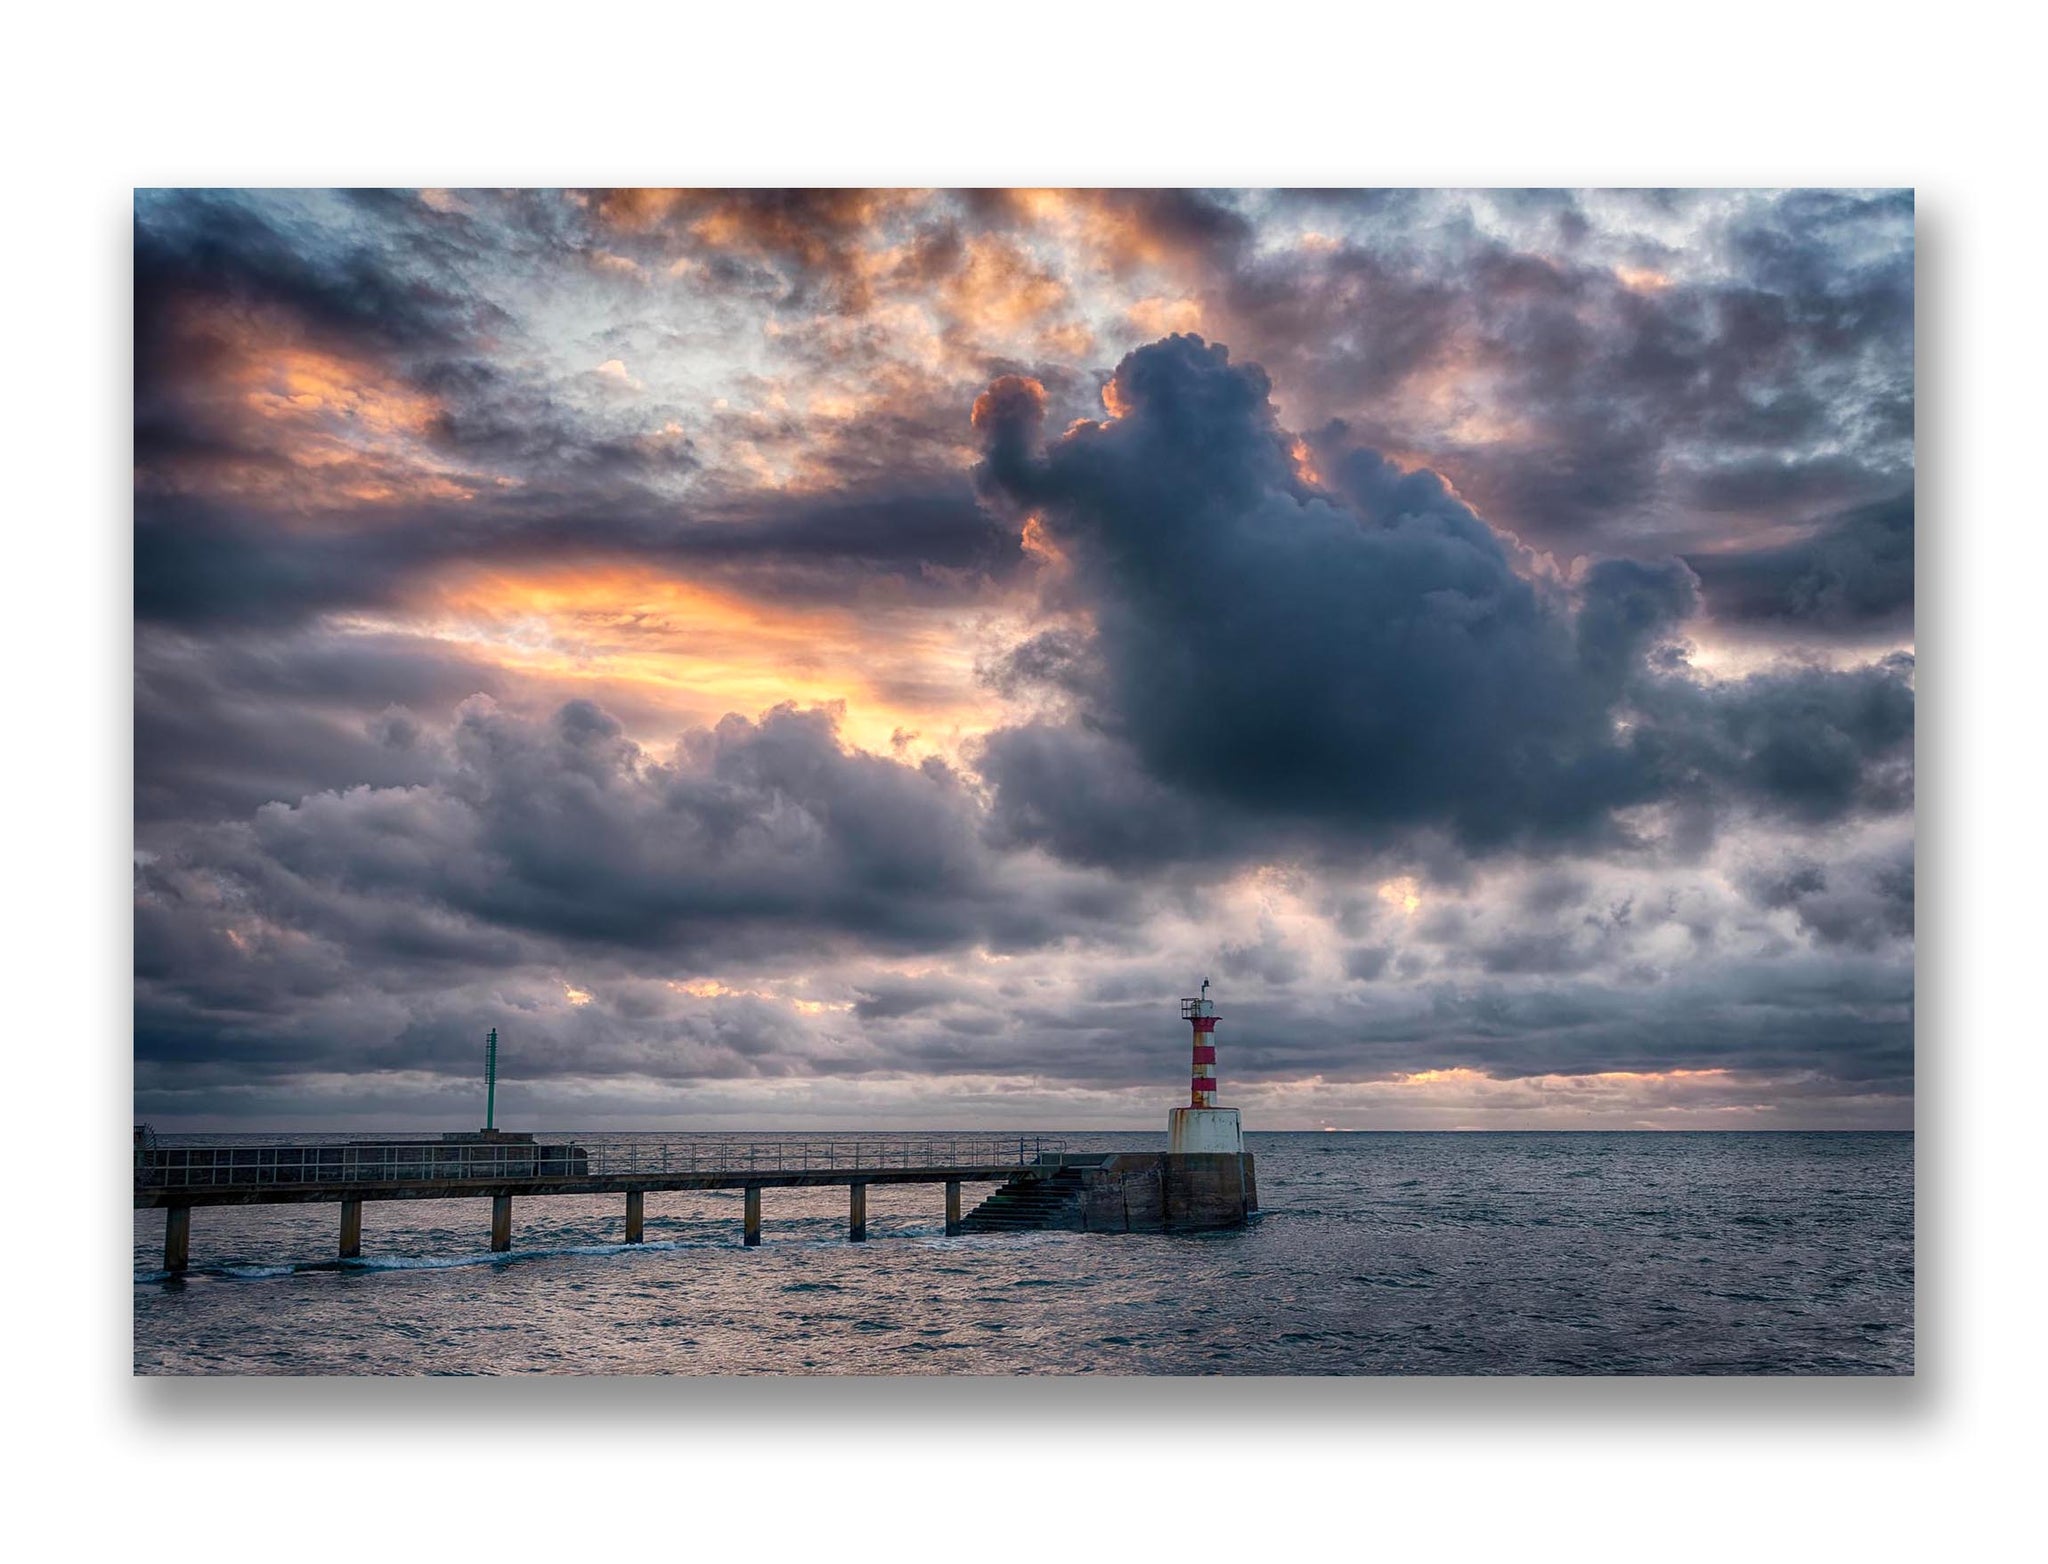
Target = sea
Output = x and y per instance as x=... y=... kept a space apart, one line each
x=1373 y=1253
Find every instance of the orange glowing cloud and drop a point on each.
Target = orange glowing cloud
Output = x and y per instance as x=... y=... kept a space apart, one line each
x=1038 y=543
x=1161 y=317
x=1008 y=396
x=1403 y=893
x=699 y=652
x=1463 y=1098
x=1105 y=224
x=817 y=227
x=637 y=210
x=1460 y=1076
x=1305 y=463
x=301 y=423
x=1000 y=289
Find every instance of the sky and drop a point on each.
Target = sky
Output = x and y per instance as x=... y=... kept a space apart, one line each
x=830 y=659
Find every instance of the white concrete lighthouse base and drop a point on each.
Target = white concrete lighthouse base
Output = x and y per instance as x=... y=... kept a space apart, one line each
x=1203 y=1129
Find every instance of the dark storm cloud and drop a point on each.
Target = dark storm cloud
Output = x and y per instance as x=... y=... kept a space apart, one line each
x=1364 y=656
x=1805 y=743
x=1855 y=573
x=1626 y=609
x=208 y=265
x=225 y=723
x=1181 y=220
x=191 y=245
x=566 y=830
x=214 y=562
x=534 y=845
x=1135 y=223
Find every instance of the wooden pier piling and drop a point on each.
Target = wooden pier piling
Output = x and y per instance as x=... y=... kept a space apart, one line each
x=636 y=1214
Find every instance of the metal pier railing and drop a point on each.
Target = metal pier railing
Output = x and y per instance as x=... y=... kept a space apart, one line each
x=200 y=1167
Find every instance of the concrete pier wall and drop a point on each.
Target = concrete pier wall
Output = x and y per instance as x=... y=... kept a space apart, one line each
x=1167 y=1192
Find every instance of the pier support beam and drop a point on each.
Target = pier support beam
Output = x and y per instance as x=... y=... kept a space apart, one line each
x=177 y=1239
x=952 y=1206
x=501 y=1223
x=636 y=1214
x=750 y=1221
x=857 y=1213
x=351 y=1229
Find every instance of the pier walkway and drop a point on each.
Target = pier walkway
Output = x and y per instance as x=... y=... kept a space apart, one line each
x=175 y=1179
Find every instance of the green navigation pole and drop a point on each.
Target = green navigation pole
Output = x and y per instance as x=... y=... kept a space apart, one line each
x=491 y=1081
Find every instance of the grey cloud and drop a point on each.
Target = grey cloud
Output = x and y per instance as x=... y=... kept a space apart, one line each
x=1276 y=662
x=1865 y=903
x=756 y=839
x=1779 y=384
x=1854 y=573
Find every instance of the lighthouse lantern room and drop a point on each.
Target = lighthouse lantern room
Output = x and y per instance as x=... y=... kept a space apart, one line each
x=1202 y=1126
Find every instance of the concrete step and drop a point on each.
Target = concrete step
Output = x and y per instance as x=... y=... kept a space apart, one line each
x=1029 y=1205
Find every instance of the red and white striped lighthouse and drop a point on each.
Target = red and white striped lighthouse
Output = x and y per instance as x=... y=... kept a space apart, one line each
x=1202 y=1126
x=1200 y=1013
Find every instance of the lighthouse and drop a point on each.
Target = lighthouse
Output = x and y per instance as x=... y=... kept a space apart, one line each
x=1204 y=1180
x=1201 y=1125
